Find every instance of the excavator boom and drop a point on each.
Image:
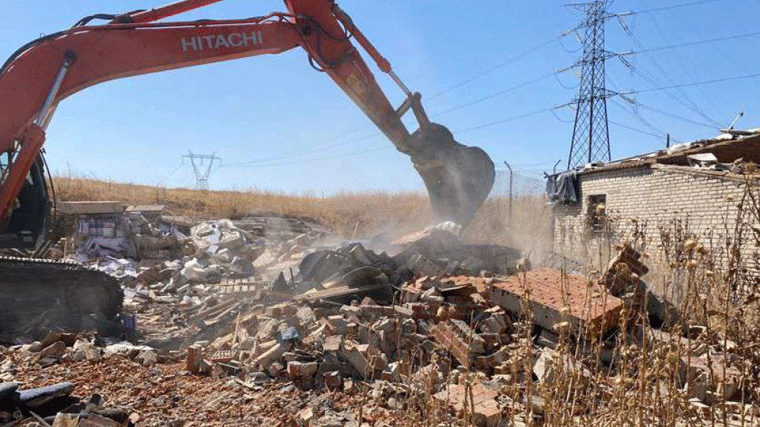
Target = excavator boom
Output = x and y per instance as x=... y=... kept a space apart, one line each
x=42 y=73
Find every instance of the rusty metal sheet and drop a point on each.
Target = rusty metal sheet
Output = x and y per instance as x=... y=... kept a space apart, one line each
x=546 y=292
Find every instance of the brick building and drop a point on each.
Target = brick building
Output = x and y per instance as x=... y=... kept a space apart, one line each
x=693 y=189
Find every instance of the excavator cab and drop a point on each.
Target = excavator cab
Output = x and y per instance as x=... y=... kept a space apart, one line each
x=27 y=222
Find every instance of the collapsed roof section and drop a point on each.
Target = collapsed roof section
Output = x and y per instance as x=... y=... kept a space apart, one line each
x=743 y=146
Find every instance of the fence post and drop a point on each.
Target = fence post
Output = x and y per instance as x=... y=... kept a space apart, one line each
x=510 y=191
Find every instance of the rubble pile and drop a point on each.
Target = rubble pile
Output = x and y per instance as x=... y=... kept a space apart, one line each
x=55 y=404
x=111 y=230
x=221 y=249
x=125 y=241
x=348 y=336
x=450 y=256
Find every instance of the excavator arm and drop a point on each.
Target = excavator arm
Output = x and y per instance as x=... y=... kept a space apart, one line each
x=43 y=72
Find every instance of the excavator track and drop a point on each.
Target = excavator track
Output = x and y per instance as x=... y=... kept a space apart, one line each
x=38 y=296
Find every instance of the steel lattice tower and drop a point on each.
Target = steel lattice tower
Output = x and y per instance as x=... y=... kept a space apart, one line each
x=202 y=171
x=591 y=137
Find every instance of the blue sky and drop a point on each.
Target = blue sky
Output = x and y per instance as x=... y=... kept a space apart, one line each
x=301 y=133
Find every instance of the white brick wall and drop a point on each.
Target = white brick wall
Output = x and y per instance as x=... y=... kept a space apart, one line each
x=654 y=197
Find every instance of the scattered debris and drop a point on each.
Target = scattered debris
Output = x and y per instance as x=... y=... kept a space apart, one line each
x=219 y=325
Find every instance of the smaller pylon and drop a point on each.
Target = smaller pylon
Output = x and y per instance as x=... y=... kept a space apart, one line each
x=202 y=170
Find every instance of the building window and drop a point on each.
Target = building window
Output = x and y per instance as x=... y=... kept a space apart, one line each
x=597 y=213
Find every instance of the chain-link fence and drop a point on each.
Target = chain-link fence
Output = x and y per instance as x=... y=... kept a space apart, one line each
x=522 y=185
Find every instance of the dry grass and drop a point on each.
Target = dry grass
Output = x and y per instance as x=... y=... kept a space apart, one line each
x=345 y=213
x=359 y=214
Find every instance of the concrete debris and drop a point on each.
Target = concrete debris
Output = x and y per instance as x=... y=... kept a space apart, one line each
x=623 y=275
x=301 y=371
x=449 y=255
x=710 y=378
x=552 y=365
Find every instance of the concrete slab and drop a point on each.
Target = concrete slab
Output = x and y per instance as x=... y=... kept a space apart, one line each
x=90 y=208
x=147 y=210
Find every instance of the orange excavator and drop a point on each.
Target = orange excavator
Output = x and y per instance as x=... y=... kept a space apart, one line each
x=45 y=71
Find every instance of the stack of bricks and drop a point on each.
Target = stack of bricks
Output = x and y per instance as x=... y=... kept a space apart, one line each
x=624 y=272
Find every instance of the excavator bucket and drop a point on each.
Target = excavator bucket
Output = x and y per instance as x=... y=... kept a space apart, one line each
x=458 y=178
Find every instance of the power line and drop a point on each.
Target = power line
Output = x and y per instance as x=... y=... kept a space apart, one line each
x=693 y=43
x=301 y=153
x=387 y=147
x=687 y=70
x=495 y=67
x=509 y=119
x=671 y=115
x=675 y=6
x=338 y=156
x=528 y=165
x=639 y=130
x=556 y=116
x=297 y=153
x=495 y=94
x=652 y=82
x=705 y=82
x=678 y=60
x=174 y=171
x=675 y=116
x=688 y=102
x=496 y=122
x=440 y=113
x=321 y=146
x=634 y=112
x=544 y=44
